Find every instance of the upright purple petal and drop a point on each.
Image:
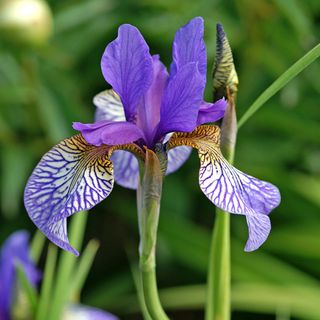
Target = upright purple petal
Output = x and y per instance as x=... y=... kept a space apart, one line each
x=127 y=66
x=211 y=112
x=109 y=132
x=188 y=46
x=73 y=176
x=81 y=312
x=14 y=250
x=109 y=107
x=181 y=101
x=126 y=169
x=148 y=115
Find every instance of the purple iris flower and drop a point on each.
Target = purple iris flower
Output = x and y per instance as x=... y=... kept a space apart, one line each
x=80 y=312
x=14 y=251
x=147 y=108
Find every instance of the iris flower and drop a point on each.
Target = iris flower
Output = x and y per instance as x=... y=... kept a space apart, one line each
x=147 y=108
x=15 y=250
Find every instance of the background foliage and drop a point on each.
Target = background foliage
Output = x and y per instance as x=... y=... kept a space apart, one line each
x=44 y=88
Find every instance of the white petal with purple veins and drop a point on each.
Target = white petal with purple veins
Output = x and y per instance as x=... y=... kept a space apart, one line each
x=73 y=176
x=109 y=106
x=227 y=187
x=233 y=190
x=126 y=169
x=259 y=228
x=177 y=157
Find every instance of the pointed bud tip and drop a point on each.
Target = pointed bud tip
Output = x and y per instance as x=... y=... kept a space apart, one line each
x=220 y=31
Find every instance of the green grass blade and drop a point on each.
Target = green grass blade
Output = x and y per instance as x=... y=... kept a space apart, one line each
x=27 y=288
x=66 y=265
x=83 y=268
x=288 y=75
x=36 y=246
x=46 y=288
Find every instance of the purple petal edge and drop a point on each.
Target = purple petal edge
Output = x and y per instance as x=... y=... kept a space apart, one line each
x=259 y=229
x=109 y=132
x=127 y=66
x=211 y=112
x=188 y=46
x=73 y=176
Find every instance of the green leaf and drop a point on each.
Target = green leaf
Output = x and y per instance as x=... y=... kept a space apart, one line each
x=47 y=283
x=27 y=288
x=66 y=267
x=277 y=85
x=83 y=268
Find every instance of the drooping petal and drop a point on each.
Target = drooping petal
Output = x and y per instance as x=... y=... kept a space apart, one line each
x=227 y=187
x=109 y=106
x=177 y=157
x=148 y=115
x=127 y=66
x=259 y=227
x=126 y=169
x=73 y=176
x=109 y=132
x=14 y=250
x=188 y=46
x=211 y=112
x=181 y=101
x=81 y=312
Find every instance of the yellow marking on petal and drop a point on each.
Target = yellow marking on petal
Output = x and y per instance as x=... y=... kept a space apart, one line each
x=202 y=138
x=130 y=147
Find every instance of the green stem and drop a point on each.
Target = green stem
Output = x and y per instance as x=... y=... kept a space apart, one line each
x=218 y=305
x=151 y=295
x=218 y=290
x=65 y=270
x=148 y=200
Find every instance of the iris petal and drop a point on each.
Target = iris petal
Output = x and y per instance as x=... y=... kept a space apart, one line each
x=211 y=112
x=73 y=176
x=181 y=101
x=177 y=157
x=81 y=312
x=127 y=66
x=109 y=107
x=259 y=228
x=188 y=46
x=126 y=169
x=14 y=250
x=109 y=132
x=229 y=188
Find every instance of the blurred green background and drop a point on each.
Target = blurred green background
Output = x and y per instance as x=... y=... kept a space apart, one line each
x=48 y=82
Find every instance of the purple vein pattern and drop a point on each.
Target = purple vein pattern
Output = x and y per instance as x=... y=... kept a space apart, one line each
x=230 y=189
x=73 y=176
x=126 y=167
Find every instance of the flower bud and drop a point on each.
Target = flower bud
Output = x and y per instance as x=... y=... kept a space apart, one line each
x=25 y=21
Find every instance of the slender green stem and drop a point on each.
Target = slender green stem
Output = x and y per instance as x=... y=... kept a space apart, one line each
x=151 y=295
x=66 y=264
x=48 y=277
x=148 y=200
x=36 y=246
x=218 y=305
x=277 y=85
x=218 y=291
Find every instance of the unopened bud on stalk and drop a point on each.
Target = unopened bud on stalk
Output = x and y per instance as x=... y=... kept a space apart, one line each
x=25 y=21
x=225 y=84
